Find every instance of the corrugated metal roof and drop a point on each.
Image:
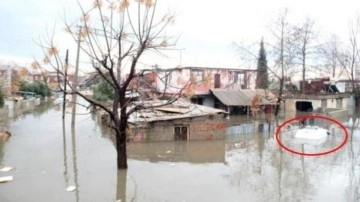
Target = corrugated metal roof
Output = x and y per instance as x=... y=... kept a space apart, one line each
x=242 y=97
x=177 y=110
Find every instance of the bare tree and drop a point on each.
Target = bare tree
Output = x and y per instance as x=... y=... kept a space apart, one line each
x=280 y=55
x=330 y=52
x=349 y=57
x=282 y=68
x=304 y=46
x=118 y=35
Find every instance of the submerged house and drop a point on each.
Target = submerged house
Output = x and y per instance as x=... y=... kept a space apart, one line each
x=319 y=95
x=180 y=120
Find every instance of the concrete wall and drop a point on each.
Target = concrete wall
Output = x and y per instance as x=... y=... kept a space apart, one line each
x=199 y=128
x=331 y=103
x=21 y=106
x=16 y=108
x=290 y=103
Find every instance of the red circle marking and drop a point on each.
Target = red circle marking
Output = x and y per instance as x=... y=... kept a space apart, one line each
x=305 y=117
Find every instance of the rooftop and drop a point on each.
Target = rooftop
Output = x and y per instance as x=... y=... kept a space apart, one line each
x=179 y=109
x=243 y=97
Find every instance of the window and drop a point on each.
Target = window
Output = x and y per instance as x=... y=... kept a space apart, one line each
x=240 y=79
x=198 y=75
x=181 y=132
x=197 y=100
x=217 y=83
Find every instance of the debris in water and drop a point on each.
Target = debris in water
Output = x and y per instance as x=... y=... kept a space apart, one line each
x=168 y=151
x=118 y=200
x=172 y=164
x=6 y=169
x=6 y=179
x=71 y=188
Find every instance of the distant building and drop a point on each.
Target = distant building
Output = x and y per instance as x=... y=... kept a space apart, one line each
x=346 y=86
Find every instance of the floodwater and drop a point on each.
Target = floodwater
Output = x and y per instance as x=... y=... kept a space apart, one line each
x=48 y=158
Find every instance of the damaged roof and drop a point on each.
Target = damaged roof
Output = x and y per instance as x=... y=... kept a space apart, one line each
x=243 y=97
x=177 y=110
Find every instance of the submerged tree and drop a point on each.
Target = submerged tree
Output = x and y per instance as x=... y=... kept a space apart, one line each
x=116 y=39
x=262 y=68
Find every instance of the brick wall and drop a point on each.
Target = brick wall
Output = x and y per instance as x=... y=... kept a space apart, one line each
x=198 y=128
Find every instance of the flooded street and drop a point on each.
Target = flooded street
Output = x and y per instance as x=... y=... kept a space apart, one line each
x=48 y=158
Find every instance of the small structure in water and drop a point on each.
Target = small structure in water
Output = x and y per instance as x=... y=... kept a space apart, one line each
x=313 y=135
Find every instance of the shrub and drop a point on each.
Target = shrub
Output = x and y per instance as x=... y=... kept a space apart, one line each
x=103 y=91
x=35 y=87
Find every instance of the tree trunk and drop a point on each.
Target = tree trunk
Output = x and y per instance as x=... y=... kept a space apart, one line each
x=121 y=146
x=121 y=132
x=277 y=107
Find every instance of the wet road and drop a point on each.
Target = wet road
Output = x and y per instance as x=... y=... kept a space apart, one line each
x=245 y=167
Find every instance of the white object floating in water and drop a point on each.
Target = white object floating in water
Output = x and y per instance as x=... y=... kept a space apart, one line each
x=168 y=151
x=71 y=188
x=312 y=135
x=312 y=132
x=6 y=169
x=6 y=179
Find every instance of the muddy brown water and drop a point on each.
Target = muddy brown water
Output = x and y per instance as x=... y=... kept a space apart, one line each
x=47 y=158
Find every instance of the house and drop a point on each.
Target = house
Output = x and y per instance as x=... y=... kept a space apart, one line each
x=145 y=84
x=318 y=85
x=346 y=86
x=319 y=102
x=196 y=82
x=239 y=101
x=181 y=120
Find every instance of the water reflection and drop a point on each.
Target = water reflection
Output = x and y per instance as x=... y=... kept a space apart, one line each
x=75 y=169
x=246 y=166
x=121 y=186
x=179 y=151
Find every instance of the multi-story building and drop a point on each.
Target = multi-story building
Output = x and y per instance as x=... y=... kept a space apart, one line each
x=196 y=82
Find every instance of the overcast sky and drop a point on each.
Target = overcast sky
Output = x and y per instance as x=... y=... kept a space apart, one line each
x=207 y=28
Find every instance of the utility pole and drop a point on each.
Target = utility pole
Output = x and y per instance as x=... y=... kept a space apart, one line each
x=75 y=80
x=65 y=79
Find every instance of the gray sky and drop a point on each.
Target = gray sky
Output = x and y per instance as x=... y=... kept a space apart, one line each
x=207 y=28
